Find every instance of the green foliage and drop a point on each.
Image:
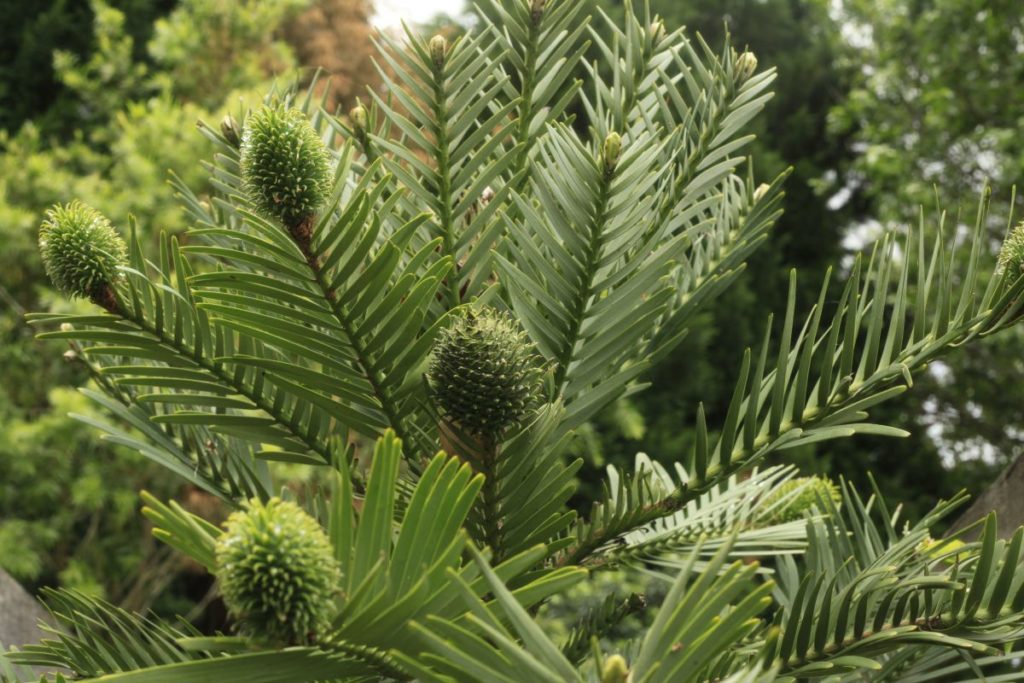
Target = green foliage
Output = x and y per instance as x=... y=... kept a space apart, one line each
x=205 y=48
x=112 y=132
x=484 y=373
x=110 y=75
x=938 y=69
x=93 y=637
x=61 y=518
x=30 y=87
x=81 y=251
x=853 y=602
x=277 y=572
x=284 y=164
x=797 y=496
x=804 y=44
x=251 y=342
x=602 y=608
x=935 y=112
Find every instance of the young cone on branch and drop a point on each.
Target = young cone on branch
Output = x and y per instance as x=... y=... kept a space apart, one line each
x=277 y=572
x=485 y=374
x=286 y=168
x=811 y=491
x=81 y=251
x=1011 y=255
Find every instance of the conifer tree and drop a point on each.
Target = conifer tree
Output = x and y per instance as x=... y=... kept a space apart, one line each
x=459 y=277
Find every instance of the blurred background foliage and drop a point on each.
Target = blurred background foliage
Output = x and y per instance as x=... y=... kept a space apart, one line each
x=881 y=105
x=99 y=101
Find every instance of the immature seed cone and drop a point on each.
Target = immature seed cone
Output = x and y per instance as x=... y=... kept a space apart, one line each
x=277 y=572
x=1011 y=255
x=81 y=251
x=485 y=374
x=811 y=490
x=285 y=165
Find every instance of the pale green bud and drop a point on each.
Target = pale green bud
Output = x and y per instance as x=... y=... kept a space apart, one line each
x=615 y=670
x=656 y=30
x=746 y=65
x=358 y=118
x=438 y=49
x=537 y=10
x=760 y=191
x=611 y=150
x=231 y=131
x=798 y=495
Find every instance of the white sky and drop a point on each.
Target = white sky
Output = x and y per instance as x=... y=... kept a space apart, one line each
x=390 y=12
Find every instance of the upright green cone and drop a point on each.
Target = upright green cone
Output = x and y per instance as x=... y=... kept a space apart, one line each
x=799 y=495
x=277 y=572
x=81 y=251
x=485 y=374
x=285 y=165
x=1011 y=255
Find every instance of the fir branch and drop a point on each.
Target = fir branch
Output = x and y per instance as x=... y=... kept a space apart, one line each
x=785 y=408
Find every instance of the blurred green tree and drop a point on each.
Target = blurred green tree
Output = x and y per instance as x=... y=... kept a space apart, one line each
x=103 y=114
x=30 y=87
x=207 y=47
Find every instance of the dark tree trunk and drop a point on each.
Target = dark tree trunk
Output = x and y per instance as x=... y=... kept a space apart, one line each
x=1005 y=496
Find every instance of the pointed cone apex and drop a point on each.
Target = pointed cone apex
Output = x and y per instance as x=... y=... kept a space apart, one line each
x=484 y=374
x=438 y=49
x=277 y=572
x=81 y=251
x=615 y=670
x=1011 y=255
x=611 y=151
x=285 y=165
x=746 y=65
